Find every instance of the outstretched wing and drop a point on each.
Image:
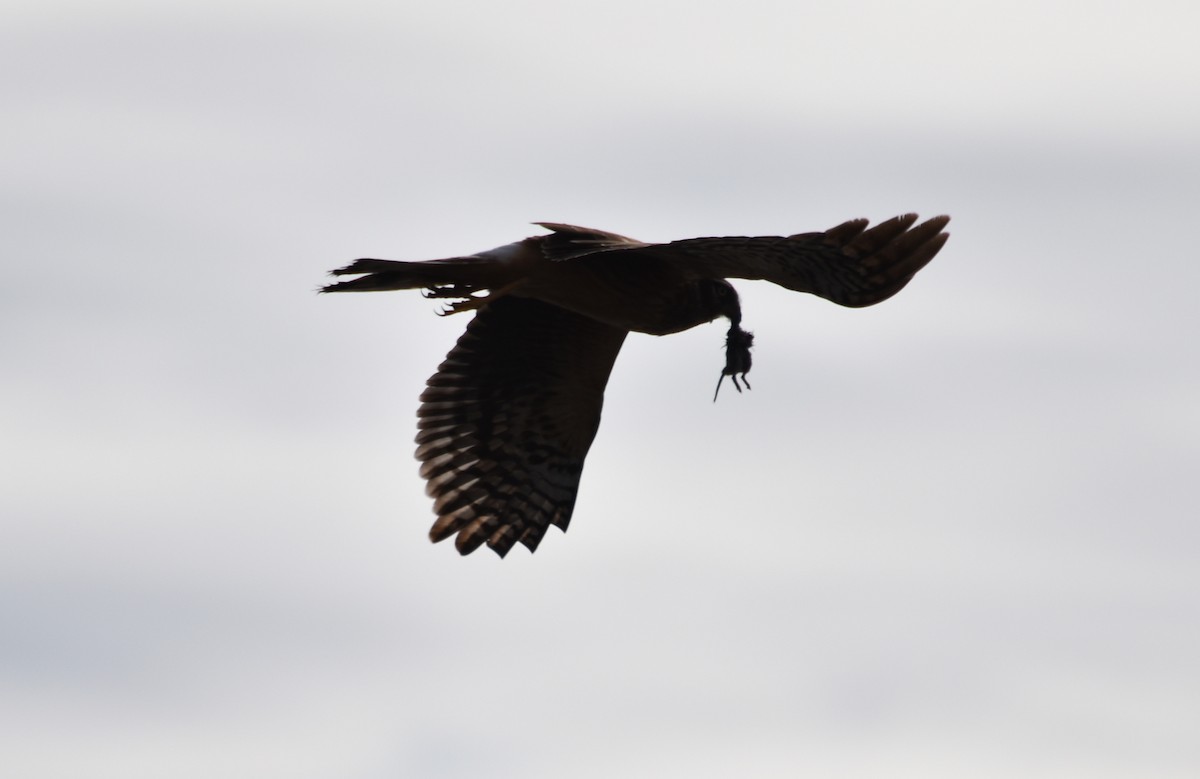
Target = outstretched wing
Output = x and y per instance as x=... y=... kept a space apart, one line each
x=505 y=423
x=849 y=264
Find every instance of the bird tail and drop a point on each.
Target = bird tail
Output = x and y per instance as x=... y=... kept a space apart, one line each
x=462 y=273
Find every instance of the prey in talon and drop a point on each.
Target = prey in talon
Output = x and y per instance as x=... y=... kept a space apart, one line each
x=737 y=358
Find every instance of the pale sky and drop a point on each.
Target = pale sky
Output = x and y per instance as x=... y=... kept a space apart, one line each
x=952 y=535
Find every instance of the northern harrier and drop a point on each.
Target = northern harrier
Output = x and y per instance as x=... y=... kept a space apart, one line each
x=505 y=423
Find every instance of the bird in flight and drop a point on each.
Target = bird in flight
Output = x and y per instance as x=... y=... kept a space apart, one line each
x=506 y=422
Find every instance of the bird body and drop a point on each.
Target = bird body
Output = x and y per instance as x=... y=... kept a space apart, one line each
x=636 y=293
x=507 y=420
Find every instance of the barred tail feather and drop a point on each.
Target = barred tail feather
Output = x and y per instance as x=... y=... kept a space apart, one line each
x=380 y=275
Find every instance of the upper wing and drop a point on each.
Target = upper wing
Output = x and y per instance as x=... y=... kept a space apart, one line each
x=507 y=420
x=566 y=242
x=849 y=264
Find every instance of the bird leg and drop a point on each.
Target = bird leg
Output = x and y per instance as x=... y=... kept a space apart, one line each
x=737 y=358
x=451 y=291
x=466 y=292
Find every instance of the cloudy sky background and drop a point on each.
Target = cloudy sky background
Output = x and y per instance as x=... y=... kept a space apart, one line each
x=953 y=535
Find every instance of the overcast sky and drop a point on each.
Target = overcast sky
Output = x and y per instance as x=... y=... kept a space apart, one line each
x=952 y=535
